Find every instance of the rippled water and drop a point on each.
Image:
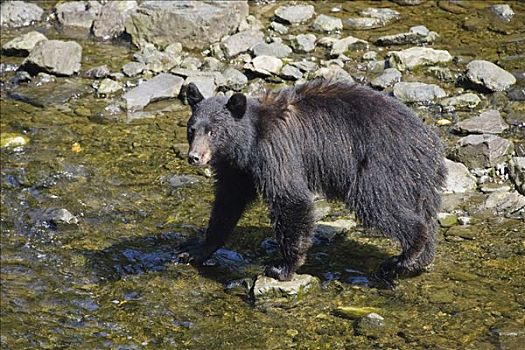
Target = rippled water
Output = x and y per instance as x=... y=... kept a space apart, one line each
x=109 y=281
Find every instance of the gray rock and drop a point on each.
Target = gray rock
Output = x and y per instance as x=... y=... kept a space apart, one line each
x=295 y=14
x=205 y=83
x=482 y=151
x=54 y=57
x=517 y=173
x=79 y=14
x=279 y=28
x=163 y=86
x=459 y=179
x=275 y=49
x=417 y=56
x=108 y=87
x=418 y=92
x=241 y=42
x=265 y=65
x=98 y=72
x=235 y=79
x=132 y=69
x=266 y=287
x=371 y=326
x=370 y=55
x=250 y=23
x=488 y=122
x=195 y=24
x=110 y=23
x=389 y=77
x=218 y=78
x=19 y=13
x=408 y=2
x=291 y=72
x=511 y=204
x=326 y=23
x=464 y=101
x=178 y=181
x=349 y=43
x=362 y=23
x=23 y=44
x=157 y=61
x=211 y=64
x=59 y=216
x=191 y=62
x=334 y=72
x=43 y=78
x=442 y=73
x=488 y=75
x=304 y=42
x=305 y=66
x=503 y=11
x=517 y=94
x=386 y=15
x=415 y=35
x=326 y=231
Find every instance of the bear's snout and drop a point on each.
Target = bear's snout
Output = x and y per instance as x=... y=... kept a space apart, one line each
x=199 y=158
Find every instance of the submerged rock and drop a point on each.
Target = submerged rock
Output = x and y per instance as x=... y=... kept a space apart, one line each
x=488 y=75
x=55 y=57
x=418 y=92
x=267 y=287
x=195 y=24
x=371 y=326
x=488 y=122
x=415 y=35
x=417 y=56
x=389 y=77
x=19 y=13
x=241 y=42
x=482 y=151
x=162 y=86
x=23 y=44
x=459 y=179
x=295 y=14
x=355 y=312
x=326 y=23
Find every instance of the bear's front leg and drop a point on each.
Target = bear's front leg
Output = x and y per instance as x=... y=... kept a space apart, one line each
x=293 y=222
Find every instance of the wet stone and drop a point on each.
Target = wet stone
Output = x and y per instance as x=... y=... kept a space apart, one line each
x=267 y=287
x=418 y=92
x=389 y=77
x=295 y=14
x=23 y=44
x=447 y=219
x=482 y=151
x=417 y=56
x=274 y=49
x=328 y=24
x=362 y=23
x=335 y=73
x=241 y=42
x=304 y=42
x=178 y=181
x=162 y=86
x=488 y=122
x=12 y=140
x=98 y=72
x=19 y=13
x=326 y=231
x=384 y=14
x=459 y=179
x=59 y=216
x=228 y=259
x=355 y=312
x=54 y=57
x=488 y=75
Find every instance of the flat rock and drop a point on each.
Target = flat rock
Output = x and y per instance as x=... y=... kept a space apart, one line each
x=79 y=14
x=349 y=43
x=275 y=49
x=305 y=66
x=19 y=13
x=291 y=72
x=218 y=78
x=205 y=83
x=324 y=23
x=386 y=15
x=503 y=11
x=488 y=75
x=517 y=173
x=266 y=287
x=482 y=151
x=235 y=79
x=334 y=72
x=132 y=69
x=417 y=56
x=304 y=42
x=265 y=65
x=408 y=2
x=508 y=203
x=415 y=35
x=195 y=24
x=54 y=57
x=295 y=14
x=110 y=22
x=459 y=179
x=418 y=92
x=461 y=102
x=23 y=44
x=362 y=23
x=326 y=231
x=241 y=42
x=488 y=122
x=162 y=86
x=389 y=77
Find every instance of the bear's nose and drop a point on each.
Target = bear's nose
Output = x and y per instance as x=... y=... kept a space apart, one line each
x=193 y=158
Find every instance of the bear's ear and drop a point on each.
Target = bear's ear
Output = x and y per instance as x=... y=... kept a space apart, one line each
x=193 y=94
x=237 y=105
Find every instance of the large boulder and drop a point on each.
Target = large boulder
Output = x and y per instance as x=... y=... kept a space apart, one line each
x=79 y=14
x=19 y=13
x=488 y=75
x=54 y=57
x=195 y=24
x=110 y=21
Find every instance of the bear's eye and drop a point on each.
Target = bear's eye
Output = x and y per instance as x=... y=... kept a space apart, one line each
x=210 y=133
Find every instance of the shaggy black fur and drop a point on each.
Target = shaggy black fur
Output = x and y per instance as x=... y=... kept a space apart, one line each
x=347 y=142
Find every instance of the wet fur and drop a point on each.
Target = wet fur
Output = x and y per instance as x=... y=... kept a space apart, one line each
x=347 y=142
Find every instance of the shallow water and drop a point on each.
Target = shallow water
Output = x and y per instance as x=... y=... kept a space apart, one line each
x=109 y=282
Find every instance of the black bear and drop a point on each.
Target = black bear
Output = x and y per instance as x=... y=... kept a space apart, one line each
x=342 y=140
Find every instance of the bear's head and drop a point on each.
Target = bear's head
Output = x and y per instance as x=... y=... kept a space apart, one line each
x=213 y=127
